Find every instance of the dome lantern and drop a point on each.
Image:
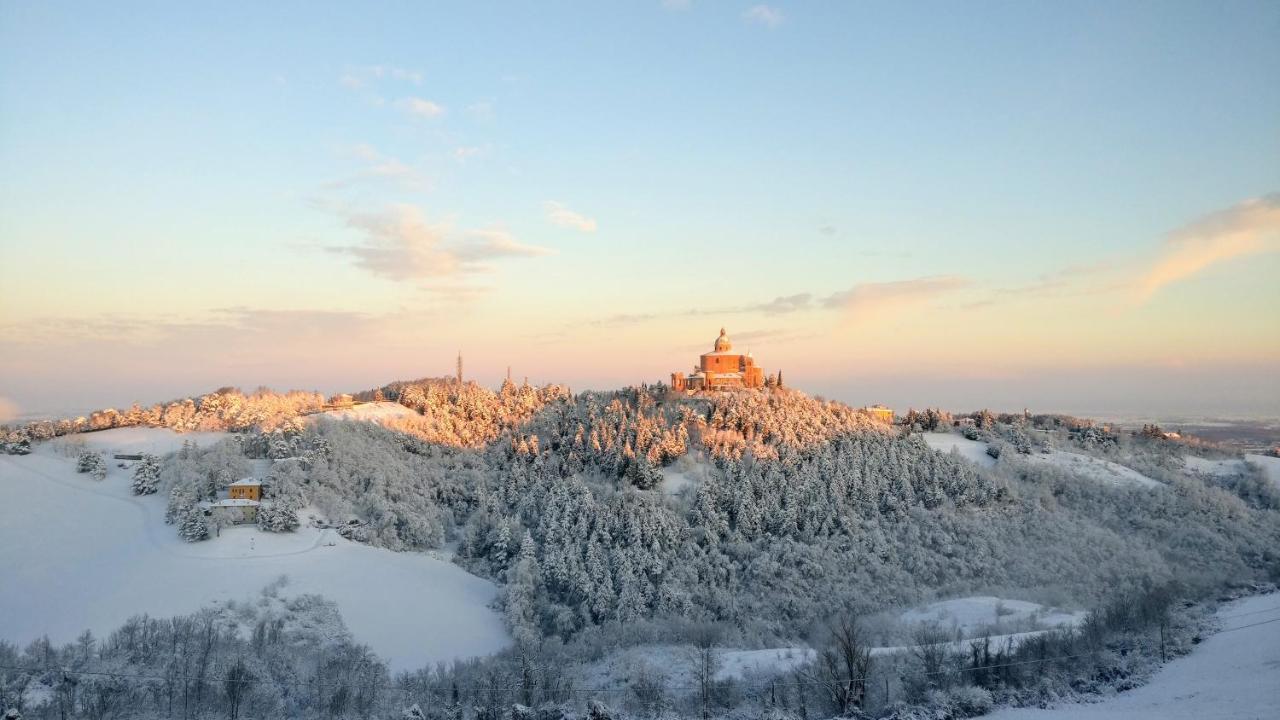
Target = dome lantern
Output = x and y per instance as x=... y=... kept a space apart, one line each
x=722 y=342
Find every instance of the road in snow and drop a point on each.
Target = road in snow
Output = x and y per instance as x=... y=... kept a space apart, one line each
x=78 y=553
x=1232 y=675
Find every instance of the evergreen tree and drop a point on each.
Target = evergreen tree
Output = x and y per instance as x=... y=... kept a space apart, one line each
x=146 y=476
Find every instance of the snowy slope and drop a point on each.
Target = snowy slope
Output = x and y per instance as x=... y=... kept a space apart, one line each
x=372 y=411
x=1093 y=468
x=972 y=450
x=131 y=440
x=78 y=553
x=1213 y=468
x=974 y=616
x=1232 y=675
x=1269 y=465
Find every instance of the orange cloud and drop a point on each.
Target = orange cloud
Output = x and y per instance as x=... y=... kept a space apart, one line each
x=1250 y=228
x=869 y=299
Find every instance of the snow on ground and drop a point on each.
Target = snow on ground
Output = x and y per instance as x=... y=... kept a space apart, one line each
x=974 y=451
x=371 y=411
x=688 y=470
x=1232 y=675
x=1270 y=466
x=1214 y=468
x=1093 y=468
x=675 y=664
x=79 y=553
x=131 y=441
x=980 y=615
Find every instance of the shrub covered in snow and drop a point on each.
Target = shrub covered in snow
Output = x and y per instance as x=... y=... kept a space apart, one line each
x=92 y=463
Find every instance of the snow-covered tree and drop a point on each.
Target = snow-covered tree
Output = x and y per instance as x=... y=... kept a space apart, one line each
x=92 y=463
x=146 y=476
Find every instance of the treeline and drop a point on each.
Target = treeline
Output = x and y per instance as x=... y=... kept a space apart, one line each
x=289 y=657
x=227 y=409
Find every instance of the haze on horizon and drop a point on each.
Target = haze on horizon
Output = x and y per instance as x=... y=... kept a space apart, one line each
x=1071 y=208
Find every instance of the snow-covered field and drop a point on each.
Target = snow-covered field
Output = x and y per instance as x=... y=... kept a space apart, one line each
x=1269 y=465
x=972 y=450
x=131 y=440
x=1232 y=675
x=372 y=411
x=1093 y=468
x=1212 y=468
x=974 y=616
x=969 y=617
x=78 y=553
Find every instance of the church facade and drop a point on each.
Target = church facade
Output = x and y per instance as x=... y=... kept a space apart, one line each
x=722 y=368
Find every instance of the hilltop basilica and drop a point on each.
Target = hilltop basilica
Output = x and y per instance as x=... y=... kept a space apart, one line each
x=722 y=368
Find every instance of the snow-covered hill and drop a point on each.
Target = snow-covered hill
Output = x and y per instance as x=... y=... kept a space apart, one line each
x=1270 y=466
x=371 y=411
x=1094 y=468
x=1233 y=675
x=972 y=450
x=79 y=553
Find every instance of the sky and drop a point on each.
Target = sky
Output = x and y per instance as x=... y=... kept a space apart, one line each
x=1067 y=207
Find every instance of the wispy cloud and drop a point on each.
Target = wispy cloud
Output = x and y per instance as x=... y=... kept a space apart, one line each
x=560 y=215
x=361 y=76
x=400 y=243
x=784 y=304
x=482 y=110
x=867 y=300
x=374 y=165
x=763 y=15
x=462 y=153
x=1250 y=228
x=420 y=107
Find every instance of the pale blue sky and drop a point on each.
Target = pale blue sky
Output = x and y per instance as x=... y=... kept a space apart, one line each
x=167 y=161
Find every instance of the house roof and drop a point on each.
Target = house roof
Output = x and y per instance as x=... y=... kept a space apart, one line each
x=227 y=502
x=247 y=482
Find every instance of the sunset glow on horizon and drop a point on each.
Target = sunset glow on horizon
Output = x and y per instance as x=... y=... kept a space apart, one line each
x=869 y=197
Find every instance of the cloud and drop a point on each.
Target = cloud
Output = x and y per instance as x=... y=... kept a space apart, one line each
x=400 y=244
x=462 y=153
x=1250 y=228
x=828 y=230
x=784 y=304
x=377 y=166
x=763 y=15
x=869 y=299
x=422 y=108
x=560 y=215
x=361 y=76
x=482 y=110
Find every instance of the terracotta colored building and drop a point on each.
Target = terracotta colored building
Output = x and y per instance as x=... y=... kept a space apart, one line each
x=720 y=369
x=246 y=489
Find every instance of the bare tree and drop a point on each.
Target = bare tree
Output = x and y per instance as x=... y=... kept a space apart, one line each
x=844 y=662
x=704 y=663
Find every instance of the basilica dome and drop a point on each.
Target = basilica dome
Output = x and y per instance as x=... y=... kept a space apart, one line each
x=722 y=342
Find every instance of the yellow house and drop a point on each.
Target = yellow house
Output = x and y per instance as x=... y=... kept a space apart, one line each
x=246 y=489
x=880 y=412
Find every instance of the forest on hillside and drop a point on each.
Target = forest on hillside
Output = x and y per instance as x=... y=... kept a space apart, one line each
x=755 y=519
